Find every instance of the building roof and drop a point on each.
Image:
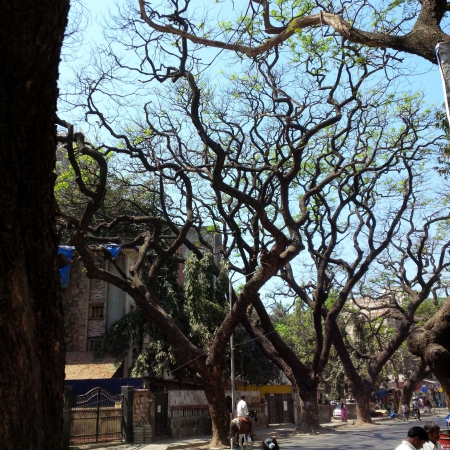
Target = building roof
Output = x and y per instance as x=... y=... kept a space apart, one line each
x=82 y=366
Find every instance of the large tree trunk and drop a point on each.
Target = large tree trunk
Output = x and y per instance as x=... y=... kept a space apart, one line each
x=309 y=410
x=432 y=343
x=410 y=383
x=215 y=394
x=362 y=399
x=31 y=322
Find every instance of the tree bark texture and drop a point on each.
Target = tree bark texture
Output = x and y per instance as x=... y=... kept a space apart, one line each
x=410 y=383
x=309 y=410
x=31 y=321
x=215 y=395
x=432 y=343
x=362 y=399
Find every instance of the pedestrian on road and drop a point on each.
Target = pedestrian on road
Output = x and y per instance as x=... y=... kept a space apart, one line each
x=242 y=411
x=343 y=412
x=433 y=430
x=270 y=444
x=416 y=409
x=405 y=411
x=391 y=408
x=417 y=436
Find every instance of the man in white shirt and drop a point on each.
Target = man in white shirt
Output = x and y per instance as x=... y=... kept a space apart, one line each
x=433 y=430
x=417 y=436
x=242 y=411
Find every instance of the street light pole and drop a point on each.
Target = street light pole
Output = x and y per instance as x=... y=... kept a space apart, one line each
x=233 y=393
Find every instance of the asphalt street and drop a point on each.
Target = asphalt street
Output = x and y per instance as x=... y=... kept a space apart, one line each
x=386 y=435
x=382 y=435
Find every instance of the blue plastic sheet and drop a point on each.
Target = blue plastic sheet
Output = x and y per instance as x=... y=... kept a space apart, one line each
x=67 y=251
x=64 y=272
x=113 y=249
x=382 y=393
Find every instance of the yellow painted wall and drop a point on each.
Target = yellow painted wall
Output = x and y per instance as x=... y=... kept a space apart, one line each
x=268 y=389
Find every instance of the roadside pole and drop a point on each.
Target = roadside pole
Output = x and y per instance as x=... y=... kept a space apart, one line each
x=233 y=393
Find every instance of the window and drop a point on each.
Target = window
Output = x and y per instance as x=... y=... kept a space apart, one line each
x=92 y=344
x=97 y=312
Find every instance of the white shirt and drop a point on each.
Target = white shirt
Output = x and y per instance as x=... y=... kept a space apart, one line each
x=405 y=445
x=242 y=409
x=430 y=446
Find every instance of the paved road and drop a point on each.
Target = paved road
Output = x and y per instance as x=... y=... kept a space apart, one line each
x=384 y=435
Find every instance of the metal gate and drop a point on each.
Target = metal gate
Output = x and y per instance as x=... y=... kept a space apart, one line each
x=97 y=417
x=280 y=408
x=161 y=414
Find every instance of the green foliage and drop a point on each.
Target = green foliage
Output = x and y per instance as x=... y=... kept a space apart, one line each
x=206 y=304
x=297 y=330
x=126 y=193
x=428 y=309
x=198 y=308
x=251 y=365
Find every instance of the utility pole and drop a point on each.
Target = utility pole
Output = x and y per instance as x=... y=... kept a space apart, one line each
x=233 y=393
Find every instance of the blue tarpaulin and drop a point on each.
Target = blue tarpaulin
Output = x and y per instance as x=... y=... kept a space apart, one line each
x=382 y=393
x=113 y=249
x=67 y=251
x=65 y=271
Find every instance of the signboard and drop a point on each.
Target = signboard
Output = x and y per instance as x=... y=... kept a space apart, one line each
x=159 y=408
x=285 y=405
x=424 y=389
x=441 y=390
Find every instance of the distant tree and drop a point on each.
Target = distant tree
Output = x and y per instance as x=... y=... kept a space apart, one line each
x=376 y=234
x=398 y=258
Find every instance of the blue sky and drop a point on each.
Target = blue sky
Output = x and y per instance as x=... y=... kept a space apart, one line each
x=422 y=74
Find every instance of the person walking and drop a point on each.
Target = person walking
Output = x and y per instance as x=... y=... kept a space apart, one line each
x=391 y=408
x=343 y=411
x=433 y=430
x=405 y=411
x=415 y=439
x=242 y=411
x=416 y=409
